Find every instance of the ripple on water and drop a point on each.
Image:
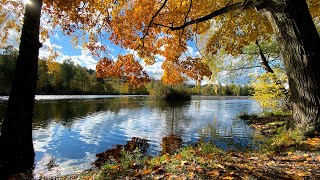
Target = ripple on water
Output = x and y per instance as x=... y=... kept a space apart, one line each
x=70 y=132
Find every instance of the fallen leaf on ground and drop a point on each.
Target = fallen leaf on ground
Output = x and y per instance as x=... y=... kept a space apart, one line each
x=214 y=173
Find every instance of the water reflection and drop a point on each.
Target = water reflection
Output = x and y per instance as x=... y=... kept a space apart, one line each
x=69 y=133
x=172 y=142
x=70 y=110
x=229 y=138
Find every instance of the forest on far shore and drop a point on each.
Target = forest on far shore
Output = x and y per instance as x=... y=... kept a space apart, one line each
x=69 y=78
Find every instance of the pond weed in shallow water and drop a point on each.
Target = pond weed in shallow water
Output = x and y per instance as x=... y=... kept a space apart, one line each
x=229 y=139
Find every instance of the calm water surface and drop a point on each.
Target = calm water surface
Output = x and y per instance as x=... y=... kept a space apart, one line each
x=69 y=130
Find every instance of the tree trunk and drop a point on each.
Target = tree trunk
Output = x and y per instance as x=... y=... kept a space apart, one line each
x=300 y=47
x=265 y=65
x=17 y=152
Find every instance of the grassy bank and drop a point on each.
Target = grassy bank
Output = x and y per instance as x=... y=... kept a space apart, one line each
x=283 y=155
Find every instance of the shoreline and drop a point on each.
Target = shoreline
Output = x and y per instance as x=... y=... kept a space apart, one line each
x=292 y=160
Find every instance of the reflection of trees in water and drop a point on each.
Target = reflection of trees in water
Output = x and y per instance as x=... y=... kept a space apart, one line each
x=174 y=115
x=174 y=118
x=162 y=104
x=170 y=144
x=227 y=138
x=135 y=144
x=68 y=111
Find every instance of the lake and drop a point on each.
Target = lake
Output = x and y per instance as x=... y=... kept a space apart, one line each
x=68 y=131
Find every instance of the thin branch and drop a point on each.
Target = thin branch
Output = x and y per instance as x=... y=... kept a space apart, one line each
x=265 y=65
x=185 y=18
x=227 y=8
x=243 y=68
x=263 y=61
x=154 y=16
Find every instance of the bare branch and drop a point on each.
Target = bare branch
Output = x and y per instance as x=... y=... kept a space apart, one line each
x=243 y=68
x=263 y=61
x=154 y=16
x=185 y=19
x=227 y=8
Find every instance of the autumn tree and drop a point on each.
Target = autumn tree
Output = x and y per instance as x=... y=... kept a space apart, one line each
x=126 y=68
x=255 y=61
x=169 y=25
x=17 y=153
x=192 y=68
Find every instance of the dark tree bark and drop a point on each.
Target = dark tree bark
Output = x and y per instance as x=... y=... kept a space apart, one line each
x=265 y=65
x=300 y=47
x=17 y=152
x=264 y=62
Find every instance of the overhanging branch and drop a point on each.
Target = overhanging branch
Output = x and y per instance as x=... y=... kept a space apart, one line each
x=227 y=8
x=154 y=16
x=259 y=4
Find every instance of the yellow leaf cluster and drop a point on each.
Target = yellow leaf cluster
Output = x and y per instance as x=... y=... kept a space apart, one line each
x=267 y=92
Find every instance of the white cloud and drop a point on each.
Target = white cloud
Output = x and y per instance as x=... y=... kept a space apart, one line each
x=85 y=59
x=134 y=53
x=154 y=71
x=13 y=38
x=47 y=44
x=44 y=51
x=192 y=52
x=160 y=58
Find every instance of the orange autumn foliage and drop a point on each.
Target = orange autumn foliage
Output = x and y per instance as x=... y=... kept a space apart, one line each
x=126 y=67
x=144 y=26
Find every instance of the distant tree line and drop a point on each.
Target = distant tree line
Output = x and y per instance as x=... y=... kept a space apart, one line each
x=157 y=88
x=63 y=78
x=226 y=90
x=7 y=67
x=68 y=78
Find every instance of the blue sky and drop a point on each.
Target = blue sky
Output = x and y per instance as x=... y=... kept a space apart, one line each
x=79 y=55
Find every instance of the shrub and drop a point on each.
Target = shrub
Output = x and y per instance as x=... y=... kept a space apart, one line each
x=268 y=93
x=166 y=92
